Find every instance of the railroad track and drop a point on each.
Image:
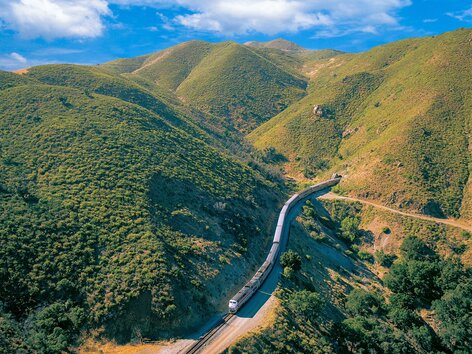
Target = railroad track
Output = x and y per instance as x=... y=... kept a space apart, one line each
x=195 y=347
x=256 y=281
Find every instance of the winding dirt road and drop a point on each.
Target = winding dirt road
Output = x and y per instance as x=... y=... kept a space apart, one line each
x=452 y=222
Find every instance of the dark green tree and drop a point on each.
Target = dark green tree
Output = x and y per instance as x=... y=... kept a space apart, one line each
x=305 y=304
x=350 y=228
x=291 y=259
x=414 y=248
x=362 y=302
x=454 y=314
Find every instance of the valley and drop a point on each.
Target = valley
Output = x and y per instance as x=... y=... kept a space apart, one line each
x=137 y=197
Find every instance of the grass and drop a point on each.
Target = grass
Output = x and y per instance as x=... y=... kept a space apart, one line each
x=235 y=82
x=241 y=85
x=395 y=123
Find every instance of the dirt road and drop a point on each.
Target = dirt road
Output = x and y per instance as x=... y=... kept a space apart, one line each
x=452 y=222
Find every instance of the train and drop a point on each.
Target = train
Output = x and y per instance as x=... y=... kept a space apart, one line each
x=243 y=295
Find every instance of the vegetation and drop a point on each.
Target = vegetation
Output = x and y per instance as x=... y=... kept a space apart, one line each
x=372 y=324
x=112 y=218
x=243 y=86
x=235 y=82
x=291 y=259
x=395 y=117
x=94 y=80
x=126 y=193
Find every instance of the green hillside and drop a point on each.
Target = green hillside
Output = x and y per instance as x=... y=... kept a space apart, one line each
x=237 y=83
x=394 y=120
x=8 y=80
x=115 y=222
x=279 y=43
x=95 y=80
x=125 y=65
x=244 y=86
x=141 y=91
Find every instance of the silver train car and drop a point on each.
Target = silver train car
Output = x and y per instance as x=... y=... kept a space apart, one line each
x=256 y=281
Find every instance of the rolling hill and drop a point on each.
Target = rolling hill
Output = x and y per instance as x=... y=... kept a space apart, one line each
x=132 y=206
x=114 y=220
x=394 y=120
x=279 y=43
x=228 y=80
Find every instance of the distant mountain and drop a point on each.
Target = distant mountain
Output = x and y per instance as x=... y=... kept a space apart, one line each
x=394 y=120
x=278 y=43
x=229 y=80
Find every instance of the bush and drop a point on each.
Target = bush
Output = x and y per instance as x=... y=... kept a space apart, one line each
x=288 y=273
x=305 y=304
x=383 y=259
x=415 y=278
x=413 y=248
x=386 y=230
x=424 y=337
x=318 y=236
x=350 y=228
x=451 y=274
x=453 y=312
x=365 y=256
x=403 y=318
x=364 y=303
x=291 y=259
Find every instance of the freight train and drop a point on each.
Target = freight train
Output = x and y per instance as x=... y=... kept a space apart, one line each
x=256 y=281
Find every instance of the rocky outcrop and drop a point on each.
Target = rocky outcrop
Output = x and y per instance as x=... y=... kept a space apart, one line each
x=317 y=110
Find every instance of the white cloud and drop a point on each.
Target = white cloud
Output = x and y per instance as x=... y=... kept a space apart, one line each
x=12 y=61
x=18 y=57
x=465 y=15
x=52 y=19
x=84 y=18
x=278 y=16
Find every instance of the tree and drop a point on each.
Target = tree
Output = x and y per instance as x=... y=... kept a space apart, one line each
x=400 y=300
x=361 y=302
x=415 y=249
x=451 y=274
x=305 y=304
x=402 y=317
x=11 y=340
x=414 y=278
x=454 y=314
x=424 y=337
x=384 y=259
x=350 y=228
x=291 y=259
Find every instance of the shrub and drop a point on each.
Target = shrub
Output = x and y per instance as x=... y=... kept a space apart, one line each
x=291 y=259
x=453 y=311
x=384 y=259
x=416 y=278
x=413 y=248
x=361 y=302
x=305 y=304
x=350 y=228
x=288 y=273
x=402 y=317
x=365 y=256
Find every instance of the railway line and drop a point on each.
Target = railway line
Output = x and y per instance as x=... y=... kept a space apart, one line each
x=253 y=285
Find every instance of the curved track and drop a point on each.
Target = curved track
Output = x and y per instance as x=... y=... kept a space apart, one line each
x=263 y=293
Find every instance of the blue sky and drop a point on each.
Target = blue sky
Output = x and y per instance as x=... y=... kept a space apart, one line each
x=34 y=32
